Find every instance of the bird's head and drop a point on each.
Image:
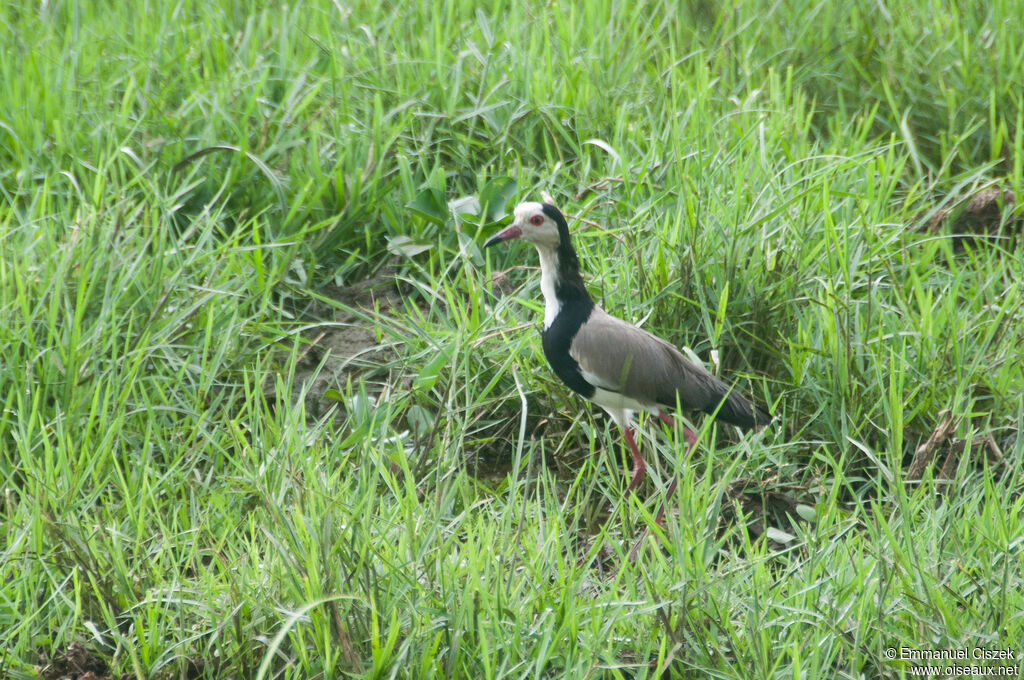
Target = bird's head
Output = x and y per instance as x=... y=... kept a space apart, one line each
x=538 y=223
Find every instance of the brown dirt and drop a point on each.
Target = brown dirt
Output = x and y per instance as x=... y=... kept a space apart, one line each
x=75 y=663
x=345 y=343
x=942 y=452
x=761 y=504
x=979 y=216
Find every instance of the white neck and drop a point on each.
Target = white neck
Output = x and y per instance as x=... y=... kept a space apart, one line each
x=548 y=277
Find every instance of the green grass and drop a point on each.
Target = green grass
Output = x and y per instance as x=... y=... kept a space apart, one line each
x=180 y=183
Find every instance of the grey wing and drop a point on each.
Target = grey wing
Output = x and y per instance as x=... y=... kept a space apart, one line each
x=617 y=356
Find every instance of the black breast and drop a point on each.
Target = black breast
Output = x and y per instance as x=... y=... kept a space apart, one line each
x=557 y=339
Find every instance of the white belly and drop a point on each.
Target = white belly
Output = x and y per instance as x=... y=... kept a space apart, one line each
x=620 y=407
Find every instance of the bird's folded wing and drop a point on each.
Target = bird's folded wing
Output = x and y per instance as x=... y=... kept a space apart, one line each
x=617 y=356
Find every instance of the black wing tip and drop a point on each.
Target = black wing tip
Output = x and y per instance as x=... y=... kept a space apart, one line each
x=762 y=417
x=738 y=411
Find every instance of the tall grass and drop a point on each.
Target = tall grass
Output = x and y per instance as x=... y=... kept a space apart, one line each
x=183 y=184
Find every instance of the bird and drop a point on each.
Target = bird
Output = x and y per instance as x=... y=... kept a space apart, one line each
x=614 y=364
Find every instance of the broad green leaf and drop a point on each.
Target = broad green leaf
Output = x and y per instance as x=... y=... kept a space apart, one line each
x=806 y=513
x=778 y=535
x=495 y=195
x=465 y=205
x=429 y=204
x=404 y=245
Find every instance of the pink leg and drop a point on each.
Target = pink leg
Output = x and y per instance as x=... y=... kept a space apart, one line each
x=639 y=466
x=691 y=439
x=689 y=435
x=661 y=513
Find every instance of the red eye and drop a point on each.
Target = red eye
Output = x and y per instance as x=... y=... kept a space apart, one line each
x=537 y=220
